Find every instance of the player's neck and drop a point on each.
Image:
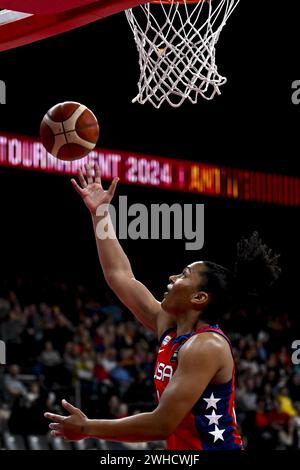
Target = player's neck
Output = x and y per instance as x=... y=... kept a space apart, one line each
x=188 y=323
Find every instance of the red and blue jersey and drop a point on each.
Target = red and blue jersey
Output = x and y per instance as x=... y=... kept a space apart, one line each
x=211 y=423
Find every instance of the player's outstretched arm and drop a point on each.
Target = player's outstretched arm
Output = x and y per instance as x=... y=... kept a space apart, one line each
x=199 y=361
x=114 y=262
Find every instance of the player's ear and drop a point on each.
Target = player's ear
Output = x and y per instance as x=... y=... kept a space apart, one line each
x=200 y=298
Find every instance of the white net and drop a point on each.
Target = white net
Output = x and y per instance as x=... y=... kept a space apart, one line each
x=176 y=45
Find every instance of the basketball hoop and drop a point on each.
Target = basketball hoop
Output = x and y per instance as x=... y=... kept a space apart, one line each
x=176 y=42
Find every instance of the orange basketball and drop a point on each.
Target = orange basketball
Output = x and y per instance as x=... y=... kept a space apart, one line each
x=69 y=131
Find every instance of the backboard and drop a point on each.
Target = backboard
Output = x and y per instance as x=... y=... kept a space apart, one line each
x=26 y=21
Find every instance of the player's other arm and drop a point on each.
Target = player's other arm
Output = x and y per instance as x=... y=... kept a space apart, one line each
x=199 y=361
x=114 y=262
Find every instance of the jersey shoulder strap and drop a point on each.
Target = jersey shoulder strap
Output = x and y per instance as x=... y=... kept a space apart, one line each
x=166 y=333
x=214 y=329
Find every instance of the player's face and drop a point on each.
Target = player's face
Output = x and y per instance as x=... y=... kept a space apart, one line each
x=183 y=289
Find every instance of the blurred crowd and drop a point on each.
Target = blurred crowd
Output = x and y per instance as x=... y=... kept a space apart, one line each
x=65 y=342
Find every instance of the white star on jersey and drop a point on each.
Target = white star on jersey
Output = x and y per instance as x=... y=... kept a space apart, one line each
x=217 y=433
x=213 y=418
x=211 y=401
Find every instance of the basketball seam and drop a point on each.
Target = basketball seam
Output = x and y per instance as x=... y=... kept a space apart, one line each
x=72 y=130
x=85 y=140
x=75 y=130
x=62 y=121
x=67 y=142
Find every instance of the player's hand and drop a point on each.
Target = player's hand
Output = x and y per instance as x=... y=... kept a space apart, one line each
x=71 y=428
x=91 y=190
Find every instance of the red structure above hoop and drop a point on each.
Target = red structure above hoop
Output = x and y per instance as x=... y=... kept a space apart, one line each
x=52 y=17
x=48 y=7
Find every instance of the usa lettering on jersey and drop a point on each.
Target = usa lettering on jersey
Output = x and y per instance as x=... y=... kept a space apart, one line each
x=163 y=372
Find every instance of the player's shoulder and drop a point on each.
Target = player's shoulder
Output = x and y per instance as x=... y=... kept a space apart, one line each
x=206 y=351
x=208 y=343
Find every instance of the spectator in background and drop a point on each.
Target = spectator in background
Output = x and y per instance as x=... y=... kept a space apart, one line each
x=285 y=402
x=11 y=331
x=14 y=388
x=71 y=356
x=123 y=411
x=85 y=366
x=245 y=395
x=114 y=406
x=261 y=351
x=100 y=373
x=263 y=436
x=47 y=317
x=278 y=420
x=261 y=418
x=271 y=378
x=109 y=361
x=49 y=356
x=248 y=361
x=267 y=393
x=62 y=332
x=51 y=362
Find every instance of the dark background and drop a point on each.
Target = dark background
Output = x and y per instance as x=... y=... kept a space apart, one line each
x=46 y=231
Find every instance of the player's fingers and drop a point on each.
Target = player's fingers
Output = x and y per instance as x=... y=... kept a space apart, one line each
x=113 y=186
x=97 y=173
x=76 y=186
x=56 y=418
x=89 y=174
x=81 y=178
x=56 y=434
x=56 y=427
x=70 y=408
